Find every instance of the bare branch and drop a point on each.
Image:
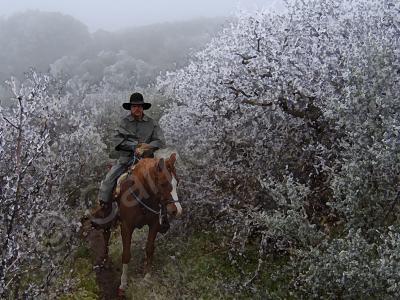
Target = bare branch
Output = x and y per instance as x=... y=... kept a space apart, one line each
x=312 y=112
x=19 y=138
x=245 y=58
x=259 y=45
x=9 y=122
x=258 y=40
x=35 y=156
x=238 y=92
x=256 y=103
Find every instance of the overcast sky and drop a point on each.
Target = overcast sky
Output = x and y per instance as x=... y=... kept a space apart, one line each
x=117 y=14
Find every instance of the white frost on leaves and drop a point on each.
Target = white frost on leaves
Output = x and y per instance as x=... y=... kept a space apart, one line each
x=41 y=179
x=282 y=113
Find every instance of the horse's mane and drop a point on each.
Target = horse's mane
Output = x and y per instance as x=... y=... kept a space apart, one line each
x=144 y=167
x=144 y=171
x=164 y=153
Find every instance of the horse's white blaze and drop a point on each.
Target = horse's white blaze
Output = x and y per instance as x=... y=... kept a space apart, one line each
x=124 y=277
x=174 y=193
x=178 y=209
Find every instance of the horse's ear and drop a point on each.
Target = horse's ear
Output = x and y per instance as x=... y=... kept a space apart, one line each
x=160 y=164
x=172 y=158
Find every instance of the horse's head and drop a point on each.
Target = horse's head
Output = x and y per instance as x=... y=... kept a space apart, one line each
x=167 y=183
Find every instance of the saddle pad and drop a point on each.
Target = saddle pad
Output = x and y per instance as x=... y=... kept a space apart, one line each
x=120 y=180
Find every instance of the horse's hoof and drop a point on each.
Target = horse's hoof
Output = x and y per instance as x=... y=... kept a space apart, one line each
x=147 y=277
x=121 y=293
x=107 y=265
x=102 y=264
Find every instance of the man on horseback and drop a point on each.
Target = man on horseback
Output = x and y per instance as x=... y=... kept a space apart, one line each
x=136 y=136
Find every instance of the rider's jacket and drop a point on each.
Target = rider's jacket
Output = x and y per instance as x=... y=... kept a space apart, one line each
x=131 y=132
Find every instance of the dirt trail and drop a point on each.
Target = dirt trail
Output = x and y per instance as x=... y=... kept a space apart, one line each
x=107 y=275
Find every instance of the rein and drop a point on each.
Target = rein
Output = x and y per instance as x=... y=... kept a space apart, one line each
x=141 y=202
x=159 y=213
x=148 y=207
x=133 y=160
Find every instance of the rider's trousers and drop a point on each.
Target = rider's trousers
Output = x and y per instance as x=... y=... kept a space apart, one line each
x=107 y=185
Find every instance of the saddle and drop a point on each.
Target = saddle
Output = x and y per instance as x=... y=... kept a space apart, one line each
x=117 y=189
x=164 y=222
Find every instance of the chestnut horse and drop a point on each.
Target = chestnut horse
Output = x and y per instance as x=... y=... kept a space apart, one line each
x=146 y=194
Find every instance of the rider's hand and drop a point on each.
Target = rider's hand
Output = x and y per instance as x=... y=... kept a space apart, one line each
x=143 y=148
x=138 y=152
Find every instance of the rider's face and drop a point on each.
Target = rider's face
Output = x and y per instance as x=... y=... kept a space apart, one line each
x=137 y=111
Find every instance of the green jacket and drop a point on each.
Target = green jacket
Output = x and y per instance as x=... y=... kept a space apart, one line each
x=131 y=132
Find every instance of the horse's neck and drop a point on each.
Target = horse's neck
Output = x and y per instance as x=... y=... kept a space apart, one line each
x=142 y=175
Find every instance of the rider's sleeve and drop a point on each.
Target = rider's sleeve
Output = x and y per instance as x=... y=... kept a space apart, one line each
x=157 y=137
x=123 y=141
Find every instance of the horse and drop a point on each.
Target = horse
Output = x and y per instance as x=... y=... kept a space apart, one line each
x=144 y=197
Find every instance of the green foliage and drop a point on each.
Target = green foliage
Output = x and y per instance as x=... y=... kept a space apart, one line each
x=198 y=266
x=82 y=272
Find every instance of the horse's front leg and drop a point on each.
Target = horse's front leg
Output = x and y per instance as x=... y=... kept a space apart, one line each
x=153 y=230
x=106 y=237
x=126 y=234
x=99 y=244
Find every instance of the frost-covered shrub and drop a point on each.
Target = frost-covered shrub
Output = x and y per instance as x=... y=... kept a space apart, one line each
x=302 y=93
x=287 y=225
x=308 y=98
x=49 y=153
x=350 y=267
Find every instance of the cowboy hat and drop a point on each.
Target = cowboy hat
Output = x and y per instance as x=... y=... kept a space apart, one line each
x=136 y=99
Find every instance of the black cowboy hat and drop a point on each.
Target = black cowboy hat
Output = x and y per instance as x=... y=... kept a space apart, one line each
x=136 y=99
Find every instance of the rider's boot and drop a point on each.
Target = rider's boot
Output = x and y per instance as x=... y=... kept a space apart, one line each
x=101 y=212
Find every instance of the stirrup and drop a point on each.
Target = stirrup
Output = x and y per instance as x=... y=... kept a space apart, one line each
x=107 y=219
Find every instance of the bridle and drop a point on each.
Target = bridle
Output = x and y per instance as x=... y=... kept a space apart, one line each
x=162 y=206
x=134 y=160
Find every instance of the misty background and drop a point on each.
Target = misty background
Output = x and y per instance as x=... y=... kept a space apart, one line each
x=122 y=44
x=114 y=15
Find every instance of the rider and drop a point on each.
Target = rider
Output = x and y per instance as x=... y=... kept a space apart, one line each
x=134 y=129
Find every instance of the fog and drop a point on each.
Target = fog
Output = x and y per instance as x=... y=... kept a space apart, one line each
x=113 y=15
x=121 y=44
